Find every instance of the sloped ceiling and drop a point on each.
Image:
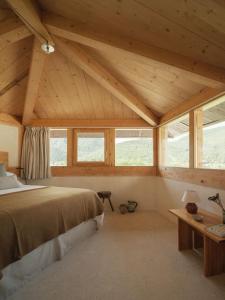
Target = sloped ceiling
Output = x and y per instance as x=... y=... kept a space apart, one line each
x=193 y=28
x=14 y=68
x=66 y=92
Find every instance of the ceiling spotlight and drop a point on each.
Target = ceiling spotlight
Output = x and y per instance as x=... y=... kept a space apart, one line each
x=47 y=48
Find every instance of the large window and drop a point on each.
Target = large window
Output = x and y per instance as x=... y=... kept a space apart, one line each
x=211 y=135
x=133 y=147
x=175 y=143
x=58 y=147
x=90 y=146
x=101 y=148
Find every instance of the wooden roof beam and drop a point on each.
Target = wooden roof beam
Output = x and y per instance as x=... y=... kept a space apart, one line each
x=77 y=55
x=201 y=72
x=90 y=123
x=204 y=97
x=35 y=72
x=13 y=83
x=10 y=120
x=11 y=31
x=28 y=12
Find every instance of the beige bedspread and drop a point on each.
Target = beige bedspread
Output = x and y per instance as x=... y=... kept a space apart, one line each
x=30 y=218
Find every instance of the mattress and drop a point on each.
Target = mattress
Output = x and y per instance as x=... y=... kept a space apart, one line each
x=32 y=216
x=22 y=271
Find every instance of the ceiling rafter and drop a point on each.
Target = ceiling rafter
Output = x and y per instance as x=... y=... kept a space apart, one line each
x=35 y=72
x=205 y=96
x=10 y=120
x=78 y=56
x=13 y=83
x=11 y=31
x=91 y=123
x=28 y=12
x=201 y=72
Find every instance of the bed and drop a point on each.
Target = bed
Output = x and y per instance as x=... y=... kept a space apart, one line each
x=38 y=225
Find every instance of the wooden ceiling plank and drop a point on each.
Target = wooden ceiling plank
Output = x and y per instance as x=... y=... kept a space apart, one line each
x=27 y=11
x=205 y=96
x=202 y=18
x=91 y=123
x=200 y=71
x=78 y=56
x=11 y=31
x=36 y=69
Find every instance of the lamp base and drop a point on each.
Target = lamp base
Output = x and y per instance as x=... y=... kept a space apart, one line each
x=192 y=208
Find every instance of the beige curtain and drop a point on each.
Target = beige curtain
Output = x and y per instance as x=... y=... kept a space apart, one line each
x=35 y=153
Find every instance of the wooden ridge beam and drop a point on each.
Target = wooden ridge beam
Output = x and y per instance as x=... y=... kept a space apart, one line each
x=204 y=73
x=77 y=55
x=11 y=31
x=205 y=96
x=35 y=72
x=90 y=123
x=28 y=12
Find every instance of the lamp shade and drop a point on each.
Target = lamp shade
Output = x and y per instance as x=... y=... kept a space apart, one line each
x=190 y=197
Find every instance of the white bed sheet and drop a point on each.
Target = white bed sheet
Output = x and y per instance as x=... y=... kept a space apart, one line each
x=23 y=187
x=22 y=271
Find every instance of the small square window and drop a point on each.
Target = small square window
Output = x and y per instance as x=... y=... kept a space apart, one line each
x=91 y=146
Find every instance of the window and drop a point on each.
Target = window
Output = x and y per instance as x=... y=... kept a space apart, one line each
x=58 y=147
x=133 y=147
x=211 y=135
x=175 y=143
x=91 y=146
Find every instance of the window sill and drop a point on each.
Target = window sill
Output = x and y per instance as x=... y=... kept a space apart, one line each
x=103 y=170
x=205 y=177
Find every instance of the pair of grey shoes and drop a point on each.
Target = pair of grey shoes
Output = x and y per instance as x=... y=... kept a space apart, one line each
x=130 y=207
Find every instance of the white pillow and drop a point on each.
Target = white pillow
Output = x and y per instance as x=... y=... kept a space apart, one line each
x=9 y=174
x=9 y=182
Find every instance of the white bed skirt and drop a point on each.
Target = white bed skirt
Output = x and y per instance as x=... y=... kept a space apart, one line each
x=21 y=271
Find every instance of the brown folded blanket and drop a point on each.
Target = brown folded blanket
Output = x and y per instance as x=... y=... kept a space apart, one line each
x=30 y=218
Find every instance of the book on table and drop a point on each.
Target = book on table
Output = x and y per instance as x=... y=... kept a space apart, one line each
x=218 y=229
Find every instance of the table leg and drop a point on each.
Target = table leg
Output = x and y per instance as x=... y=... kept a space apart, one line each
x=214 y=257
x=198 y=240
x=184 y=236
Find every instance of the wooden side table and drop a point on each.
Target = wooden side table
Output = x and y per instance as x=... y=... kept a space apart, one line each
x=193 y=234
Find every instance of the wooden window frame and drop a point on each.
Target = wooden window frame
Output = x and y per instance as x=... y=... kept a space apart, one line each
x=195 y=174
x=154 y=148
x=162 y=144
x=68 y=148
x=98 y=168
x=75 y=148
x=198 y=133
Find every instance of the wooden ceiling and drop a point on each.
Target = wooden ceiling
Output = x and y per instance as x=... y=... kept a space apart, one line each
x=192 y=30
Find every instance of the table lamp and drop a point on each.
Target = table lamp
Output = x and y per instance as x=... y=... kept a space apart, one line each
x=191 y=198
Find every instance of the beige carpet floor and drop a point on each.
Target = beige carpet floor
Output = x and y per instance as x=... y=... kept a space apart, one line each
x=133 y=257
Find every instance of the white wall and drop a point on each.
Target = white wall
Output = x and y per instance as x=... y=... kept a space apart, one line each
x=9 y=142
x=152 y=193
x=169 y=193
x=123 y=188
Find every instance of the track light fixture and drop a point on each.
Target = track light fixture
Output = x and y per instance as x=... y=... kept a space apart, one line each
x=47 y=48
